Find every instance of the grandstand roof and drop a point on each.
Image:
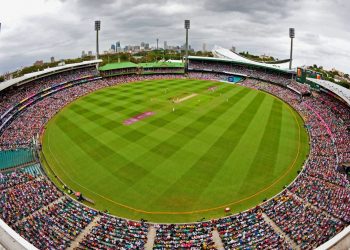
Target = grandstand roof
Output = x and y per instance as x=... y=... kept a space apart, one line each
x=121 y=65
x=49 y=71
x=12 y=240
x=225 y=55
x=124 y=65
x=162 y=64
x=340 y=91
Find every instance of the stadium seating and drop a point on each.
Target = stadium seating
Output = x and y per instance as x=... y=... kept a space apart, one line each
x=307 y=226
x=273 y=77
x=56 y=225
x=249 y=230
x=8 y=180
x=22 y=200
x=189 y=236
x=310 y=211
x=33 y=170
x=115 y=233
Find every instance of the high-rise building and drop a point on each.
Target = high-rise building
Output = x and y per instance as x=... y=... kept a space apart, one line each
x=52 y=59
x=143 y=44
x=117 y=47
x=90 y=53
x=83 y=54
x=233 y=49
x=113 y=47
x=165 y=45
x=204 y=49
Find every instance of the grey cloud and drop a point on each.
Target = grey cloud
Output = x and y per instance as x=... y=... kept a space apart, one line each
x=254 y=25
x=263 y=9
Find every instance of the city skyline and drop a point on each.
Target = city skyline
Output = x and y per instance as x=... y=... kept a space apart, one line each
x=38 y=31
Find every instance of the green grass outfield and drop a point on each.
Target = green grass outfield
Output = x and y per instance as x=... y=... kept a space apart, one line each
x=232 y=147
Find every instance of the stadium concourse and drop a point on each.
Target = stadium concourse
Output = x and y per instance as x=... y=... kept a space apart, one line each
x=308 y=213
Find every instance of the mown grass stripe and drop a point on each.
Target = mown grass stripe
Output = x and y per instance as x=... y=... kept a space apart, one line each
x=197 y=174
x=265 y=159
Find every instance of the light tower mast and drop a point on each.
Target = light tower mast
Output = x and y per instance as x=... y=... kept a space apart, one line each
x=97 y=29
x=292 y=36
x=187 y=27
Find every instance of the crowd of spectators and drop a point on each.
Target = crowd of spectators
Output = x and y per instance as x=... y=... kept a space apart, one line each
x=56 y=226
x=186 y=236
x=8 y=180
x=163 y=70
x=208 y=76
x=116 y=233
x=22 y=200
x=306 y=226
x=324 y=195
x=14 y=95
x=303 y=89
x=253 y=72
x=329 y=139
x=248 y=230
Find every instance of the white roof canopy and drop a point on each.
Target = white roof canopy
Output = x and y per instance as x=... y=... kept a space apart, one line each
x=49 y=71
x=340 y=91
x=223 y=53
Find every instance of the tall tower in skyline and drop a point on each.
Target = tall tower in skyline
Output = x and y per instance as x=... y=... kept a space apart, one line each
x=204 y=48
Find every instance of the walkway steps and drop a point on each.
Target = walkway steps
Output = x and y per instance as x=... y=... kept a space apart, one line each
x=217 y=240
x=280 y=232
x=41 y=209
x=86 y=231
x=151 y=235
x=326 y=213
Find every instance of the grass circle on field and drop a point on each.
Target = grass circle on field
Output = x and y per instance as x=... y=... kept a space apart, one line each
x=176 y=150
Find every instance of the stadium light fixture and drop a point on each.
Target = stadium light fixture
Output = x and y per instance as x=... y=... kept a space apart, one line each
x=187 y=27
x=291 y=36
x=97 y=29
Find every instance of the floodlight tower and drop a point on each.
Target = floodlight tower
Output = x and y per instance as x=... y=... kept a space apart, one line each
x=97 y=29
x=292 y=36
x=187 y=27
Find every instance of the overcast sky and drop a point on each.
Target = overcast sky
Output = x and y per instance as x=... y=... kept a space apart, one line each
x=38 y=29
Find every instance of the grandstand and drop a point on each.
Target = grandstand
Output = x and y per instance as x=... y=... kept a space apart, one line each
x=313 y=210
x=123 y=68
